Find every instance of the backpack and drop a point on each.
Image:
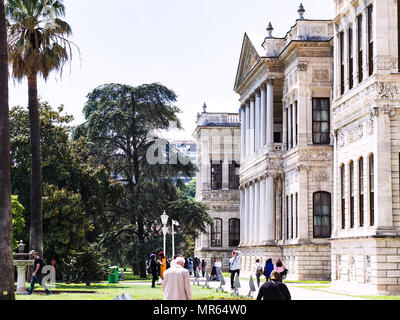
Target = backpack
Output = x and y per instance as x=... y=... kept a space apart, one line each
x=259 y=270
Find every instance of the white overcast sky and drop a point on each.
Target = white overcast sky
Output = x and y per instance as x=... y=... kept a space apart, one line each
x=190 y=46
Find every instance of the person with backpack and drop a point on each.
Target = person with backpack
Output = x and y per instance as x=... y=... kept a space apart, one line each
x=274 y=289
x=269 y=267
x=258 y=268
x=37 y=276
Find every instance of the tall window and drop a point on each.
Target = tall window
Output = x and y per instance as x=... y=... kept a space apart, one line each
x=371 y=190
x=216 y=176
x=216 y=233
x=321 y=118
x=351 y=58
x=360 y=47
x=371 y=39
x=297 y=216
x=341 y=44
x=296 y=123
x=287 y=128
x=292 y=217
x=234 y=232
x=343 y=197
x=351 y=176
x=291 y=126
x=234 y=176
x=361 y=187
x=322 y=214
x=287 y=217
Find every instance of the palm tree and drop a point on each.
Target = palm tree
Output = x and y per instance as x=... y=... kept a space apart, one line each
x=38 y=44
x=6 y=263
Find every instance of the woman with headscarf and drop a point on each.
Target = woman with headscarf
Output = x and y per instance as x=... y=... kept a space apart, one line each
x=163 y=264
x=190 y=265
x=269 y=267
x=153 y=269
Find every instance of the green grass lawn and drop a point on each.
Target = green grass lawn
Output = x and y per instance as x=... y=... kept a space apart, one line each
x=110 y=291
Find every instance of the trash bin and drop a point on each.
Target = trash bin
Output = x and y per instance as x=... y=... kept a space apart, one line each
x=113 y=275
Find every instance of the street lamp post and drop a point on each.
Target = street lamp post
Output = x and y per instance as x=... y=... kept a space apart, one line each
x=174 y=223
x=164 y=220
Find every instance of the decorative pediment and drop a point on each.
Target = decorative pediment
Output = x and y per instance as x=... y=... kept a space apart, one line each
x=248 y=59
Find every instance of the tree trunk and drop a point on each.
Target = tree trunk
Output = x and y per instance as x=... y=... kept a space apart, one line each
x=36 y=229
x=6 y=258
x=142 y=253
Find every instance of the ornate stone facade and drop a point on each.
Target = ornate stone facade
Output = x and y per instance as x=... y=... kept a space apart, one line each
x=218 y=142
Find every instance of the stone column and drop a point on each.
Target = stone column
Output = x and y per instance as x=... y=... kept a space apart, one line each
x=262 y=231
x=303 y=203
x=383 y=171
x=270 y=221
x=243 y=133
x=257 y=121
x=270 y=115
x=251 y=213
x=256 y=212
x=248 y=131
x=252 y=125
x=289 y=124
x=285 y=136
x=263 y=129
x=294 y=115
x=246 y=222
x=242 y=214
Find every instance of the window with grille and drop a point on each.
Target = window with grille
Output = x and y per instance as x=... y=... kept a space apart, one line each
x=234 y=232
x=234 y=176
x=216 y=233
x=321 y=120
x=216 y=176
x=322 y=214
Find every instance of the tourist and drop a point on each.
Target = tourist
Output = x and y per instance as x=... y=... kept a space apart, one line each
x=190 y=265
x=274 y=289
x=163 y=264
x=203 y=267
x=280 y=267
x=258 y=269
x=196 y=263
x=218 y=267
x=153 y=268
x=234 y=266
x=176 y=284
x=37 y=276
x=269 y=267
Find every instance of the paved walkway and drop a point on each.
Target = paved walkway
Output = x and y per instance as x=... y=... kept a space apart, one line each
x=296 y=292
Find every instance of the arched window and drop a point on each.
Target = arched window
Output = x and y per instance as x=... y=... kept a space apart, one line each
x=371 y=190
x=216 y=233
x=234 y=232
x=322 y=214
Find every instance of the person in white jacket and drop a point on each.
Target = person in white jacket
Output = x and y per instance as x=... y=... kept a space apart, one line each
x=176 y=283
x=234 y=266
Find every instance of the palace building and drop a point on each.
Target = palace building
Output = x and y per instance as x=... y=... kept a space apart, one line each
x=217 y=184
x=319 y=151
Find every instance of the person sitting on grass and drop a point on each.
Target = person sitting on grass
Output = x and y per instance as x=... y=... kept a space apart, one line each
x=37 y=276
